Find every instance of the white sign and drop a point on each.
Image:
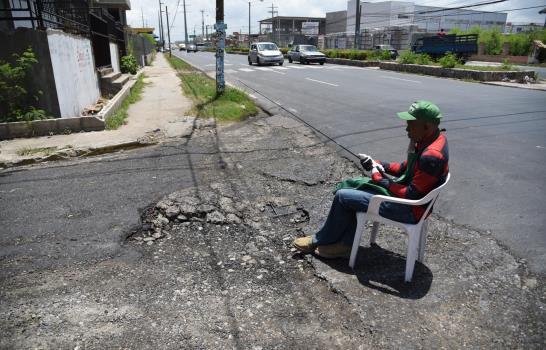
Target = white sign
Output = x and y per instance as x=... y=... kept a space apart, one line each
x=310 y=28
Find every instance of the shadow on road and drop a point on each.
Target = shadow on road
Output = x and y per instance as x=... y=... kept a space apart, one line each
x=383 y=270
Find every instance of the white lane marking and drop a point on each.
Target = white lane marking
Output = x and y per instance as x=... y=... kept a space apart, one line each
x=296 y=67
x=322 y=82
x=264 y=69
x=274 y=71
x=246 y=70
x=411 y=81
x=230 y=71
x=280 y=68
x=214 y=64
x=313 y=67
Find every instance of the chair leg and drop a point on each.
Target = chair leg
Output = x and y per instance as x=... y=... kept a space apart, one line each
x=373 y=235
x=360 y=225
x=423 y=241
x=413 y=246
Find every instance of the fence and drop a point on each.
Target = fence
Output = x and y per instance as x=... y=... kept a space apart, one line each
x=142 y=48
x=71 y=16
x=399 y=38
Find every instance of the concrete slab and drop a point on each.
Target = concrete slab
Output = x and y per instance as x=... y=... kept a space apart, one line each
x=162 y=104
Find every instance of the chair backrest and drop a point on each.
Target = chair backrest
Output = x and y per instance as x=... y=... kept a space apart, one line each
x=432 y=196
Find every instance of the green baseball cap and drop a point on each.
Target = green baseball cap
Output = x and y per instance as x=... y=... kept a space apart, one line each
x=422 y=110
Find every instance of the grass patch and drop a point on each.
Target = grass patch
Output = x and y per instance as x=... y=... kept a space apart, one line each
x=232 y=105
x=119 y=117
x=29 y=151
x=487 y=68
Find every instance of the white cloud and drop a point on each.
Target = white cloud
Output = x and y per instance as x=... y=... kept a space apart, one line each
x=236 y=11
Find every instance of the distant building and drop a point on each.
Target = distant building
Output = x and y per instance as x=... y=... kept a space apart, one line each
x=336 y=22
x=514 y=28
x=379 y=15
x=142 y=30
x=292 y=30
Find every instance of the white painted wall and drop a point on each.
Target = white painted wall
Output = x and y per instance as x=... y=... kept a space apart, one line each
x=76 y=80
x=114 y=56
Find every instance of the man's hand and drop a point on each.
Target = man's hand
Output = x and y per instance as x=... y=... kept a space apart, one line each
x=368 y=163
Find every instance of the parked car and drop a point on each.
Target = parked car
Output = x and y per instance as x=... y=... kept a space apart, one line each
x=265 y=53
x=392 y=50
x=306 y=54
x=191 y=48
x=182 y=47
x=200 y=46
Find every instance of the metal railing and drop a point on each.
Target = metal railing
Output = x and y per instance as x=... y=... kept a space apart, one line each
x=74 y=16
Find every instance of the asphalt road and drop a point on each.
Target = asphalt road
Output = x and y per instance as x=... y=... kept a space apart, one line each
x=81 y=211
x=497 y=136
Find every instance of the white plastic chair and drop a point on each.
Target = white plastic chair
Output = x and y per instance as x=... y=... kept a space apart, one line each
x=417 y=233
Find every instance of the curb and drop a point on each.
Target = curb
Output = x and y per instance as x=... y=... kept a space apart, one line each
x=115 y=102
x=65 y=154
x=268 y=107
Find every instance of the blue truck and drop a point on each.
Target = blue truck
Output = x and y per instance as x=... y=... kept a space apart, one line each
x=463 y=46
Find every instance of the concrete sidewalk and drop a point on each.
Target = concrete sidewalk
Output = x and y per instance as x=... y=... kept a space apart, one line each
x=159 y=114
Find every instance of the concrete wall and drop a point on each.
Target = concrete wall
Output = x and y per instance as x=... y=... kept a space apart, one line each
x=457 y=73
x=114 y=55
x=19 y=40
x=336 y=22
x=73 y=66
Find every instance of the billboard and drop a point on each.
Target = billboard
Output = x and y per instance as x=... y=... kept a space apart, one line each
x=310 y=28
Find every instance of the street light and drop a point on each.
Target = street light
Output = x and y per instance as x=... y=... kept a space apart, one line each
x=249 y=28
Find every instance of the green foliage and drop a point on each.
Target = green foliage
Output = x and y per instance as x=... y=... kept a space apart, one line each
x=150 y=38
x=16 y=93
x=237 y=49
x=408 y=57
x=129 y=64
x=423 y=59
x=506 y=64
x=493 y=39
x=360 y=55
x=449 y=60
x=178 y=64
x=232 y=105
x=119 y=117
x=284 y=50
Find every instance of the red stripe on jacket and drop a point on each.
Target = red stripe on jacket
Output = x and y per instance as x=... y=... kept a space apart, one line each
x=429 y=172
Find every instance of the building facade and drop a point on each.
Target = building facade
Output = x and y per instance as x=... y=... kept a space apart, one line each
x=426 y=18
x=292 y=30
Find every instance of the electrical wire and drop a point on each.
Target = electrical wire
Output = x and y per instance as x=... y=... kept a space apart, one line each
x=300 y=119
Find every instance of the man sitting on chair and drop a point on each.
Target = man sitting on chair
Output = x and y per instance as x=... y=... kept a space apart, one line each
x=425 y=169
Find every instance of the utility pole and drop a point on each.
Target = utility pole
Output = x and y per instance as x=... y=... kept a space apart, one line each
x=168 y=31
x=249 y=31
x=221 y=35
x=202 y=23
x=161 y=36
x=207 y=32
x=185 y=26
x=142 y=14
x=357 y=25
x=273 y=23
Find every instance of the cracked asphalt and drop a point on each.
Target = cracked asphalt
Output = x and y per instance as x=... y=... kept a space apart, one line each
x=188 y=245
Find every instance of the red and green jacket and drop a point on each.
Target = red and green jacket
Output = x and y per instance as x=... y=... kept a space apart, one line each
x=429 y=171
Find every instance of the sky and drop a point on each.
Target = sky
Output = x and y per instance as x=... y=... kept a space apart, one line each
x=236 y=12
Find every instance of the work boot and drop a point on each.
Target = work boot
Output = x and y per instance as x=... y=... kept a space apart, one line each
x=333 y=251
x=304 y=244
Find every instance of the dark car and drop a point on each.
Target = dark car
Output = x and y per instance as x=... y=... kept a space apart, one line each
x=306 y=54
x=392 y=50
x=191 y=48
